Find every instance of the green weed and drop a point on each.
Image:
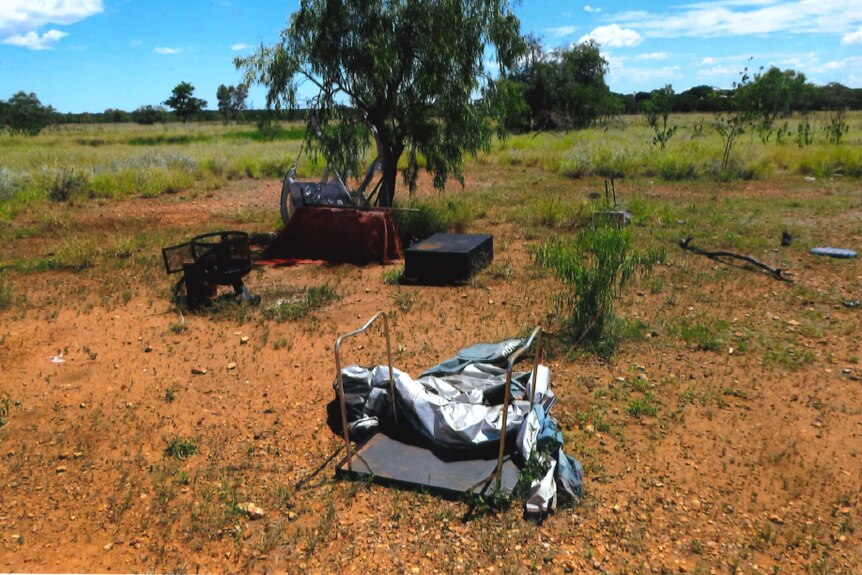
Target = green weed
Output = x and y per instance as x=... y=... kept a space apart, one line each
x=299 y=306
x=181 y=448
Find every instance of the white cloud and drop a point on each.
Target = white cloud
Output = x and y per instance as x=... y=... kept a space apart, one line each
x=561 y=31
x=34 y=41
x=852 y=38
x=18 y=17
x=613 y=36
x=708 y=61
x=749 y=17
x=591 y=9
x=239 y=47
x=166 y=51
x=718 y=71
x=652 y=56
x=853 y=63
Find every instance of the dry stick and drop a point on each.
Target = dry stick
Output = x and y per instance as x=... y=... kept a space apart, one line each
x=777 y=273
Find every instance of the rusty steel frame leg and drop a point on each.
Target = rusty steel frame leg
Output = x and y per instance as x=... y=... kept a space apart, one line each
x=340 y=379
x=506 y=393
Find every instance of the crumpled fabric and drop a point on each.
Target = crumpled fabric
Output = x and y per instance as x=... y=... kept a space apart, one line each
x=540 y=436
x=457 y=405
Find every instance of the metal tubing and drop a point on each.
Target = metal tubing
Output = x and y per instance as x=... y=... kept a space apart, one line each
x=512 y=359
x=340 y=380
x=535 y=370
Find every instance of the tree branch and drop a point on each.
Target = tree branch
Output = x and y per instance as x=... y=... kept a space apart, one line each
x=777 y=273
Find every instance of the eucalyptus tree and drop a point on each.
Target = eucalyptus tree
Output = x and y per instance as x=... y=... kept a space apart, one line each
x=411 y=76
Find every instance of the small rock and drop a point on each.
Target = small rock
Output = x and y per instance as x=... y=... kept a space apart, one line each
x=776 y=519
x=109 y=546
x=198 y=371
x=61 y=469
x=16 y=538
x=253 y=511
x=231 y=365
x=817 y=424
x=243 y=340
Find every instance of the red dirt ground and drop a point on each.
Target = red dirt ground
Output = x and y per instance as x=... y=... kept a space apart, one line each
x=752 y=463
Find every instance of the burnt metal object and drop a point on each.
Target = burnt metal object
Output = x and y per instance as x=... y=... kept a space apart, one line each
x=208 y=261
x=447 y=258
x=717 y=255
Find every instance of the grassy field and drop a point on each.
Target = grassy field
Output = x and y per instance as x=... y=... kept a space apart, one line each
x=721 y=435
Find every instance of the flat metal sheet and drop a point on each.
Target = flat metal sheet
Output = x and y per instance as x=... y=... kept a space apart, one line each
x=389 y=461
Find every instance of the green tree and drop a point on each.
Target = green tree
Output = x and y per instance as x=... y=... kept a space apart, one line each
x=776 y=94
x=231 y=101
x=410 y=74
x=183 y=102
x=733 y=116
x=115 y=115
x=25 y=114
x=565 y=88
x=657 y=109
x=148 y=115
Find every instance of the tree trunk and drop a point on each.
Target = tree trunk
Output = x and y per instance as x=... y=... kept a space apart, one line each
x=389 y=154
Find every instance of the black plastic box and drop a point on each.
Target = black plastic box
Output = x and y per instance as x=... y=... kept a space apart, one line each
x=447 y=258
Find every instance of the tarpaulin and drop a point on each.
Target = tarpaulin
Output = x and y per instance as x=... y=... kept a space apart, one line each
x=460 y=410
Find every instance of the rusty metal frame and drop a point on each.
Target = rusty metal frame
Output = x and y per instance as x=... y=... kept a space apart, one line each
x=513 y=359
x=340 y=379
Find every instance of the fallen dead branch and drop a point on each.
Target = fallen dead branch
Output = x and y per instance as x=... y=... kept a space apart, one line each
x=777 y=273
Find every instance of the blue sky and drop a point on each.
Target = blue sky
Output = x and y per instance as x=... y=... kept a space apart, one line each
x=90 y=55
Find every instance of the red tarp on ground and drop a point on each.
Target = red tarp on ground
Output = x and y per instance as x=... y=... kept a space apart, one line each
x=336 y=235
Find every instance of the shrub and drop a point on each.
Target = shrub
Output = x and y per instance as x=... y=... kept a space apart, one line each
x=594 y=266
x=66 y=183
x=424 y=218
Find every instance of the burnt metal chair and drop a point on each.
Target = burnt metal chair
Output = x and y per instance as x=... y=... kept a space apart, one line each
x=208 y=261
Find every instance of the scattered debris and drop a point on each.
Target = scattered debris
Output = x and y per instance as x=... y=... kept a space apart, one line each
x=833 y=252
x=199 y=371
x=208 y=261
x=786 y=238
x=851 y=303
x=716 y=255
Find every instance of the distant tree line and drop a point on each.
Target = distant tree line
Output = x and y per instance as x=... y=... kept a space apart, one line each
x=558 y=90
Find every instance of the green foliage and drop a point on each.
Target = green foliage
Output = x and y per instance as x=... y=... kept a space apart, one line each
x=775 y=94
x=735 y=114
x=595 y=267
x=183 y=102
x=149 y=115
x=66 y=183
x=563 y=89
x=657 y=109
x=393 y=275
x=5 y=292
x=645 y=406
x=837 y=126
x=181 y=448
x=421 y=219
x=706 y=337
x=410 y=72
x=231 y=101
x=25 y=114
